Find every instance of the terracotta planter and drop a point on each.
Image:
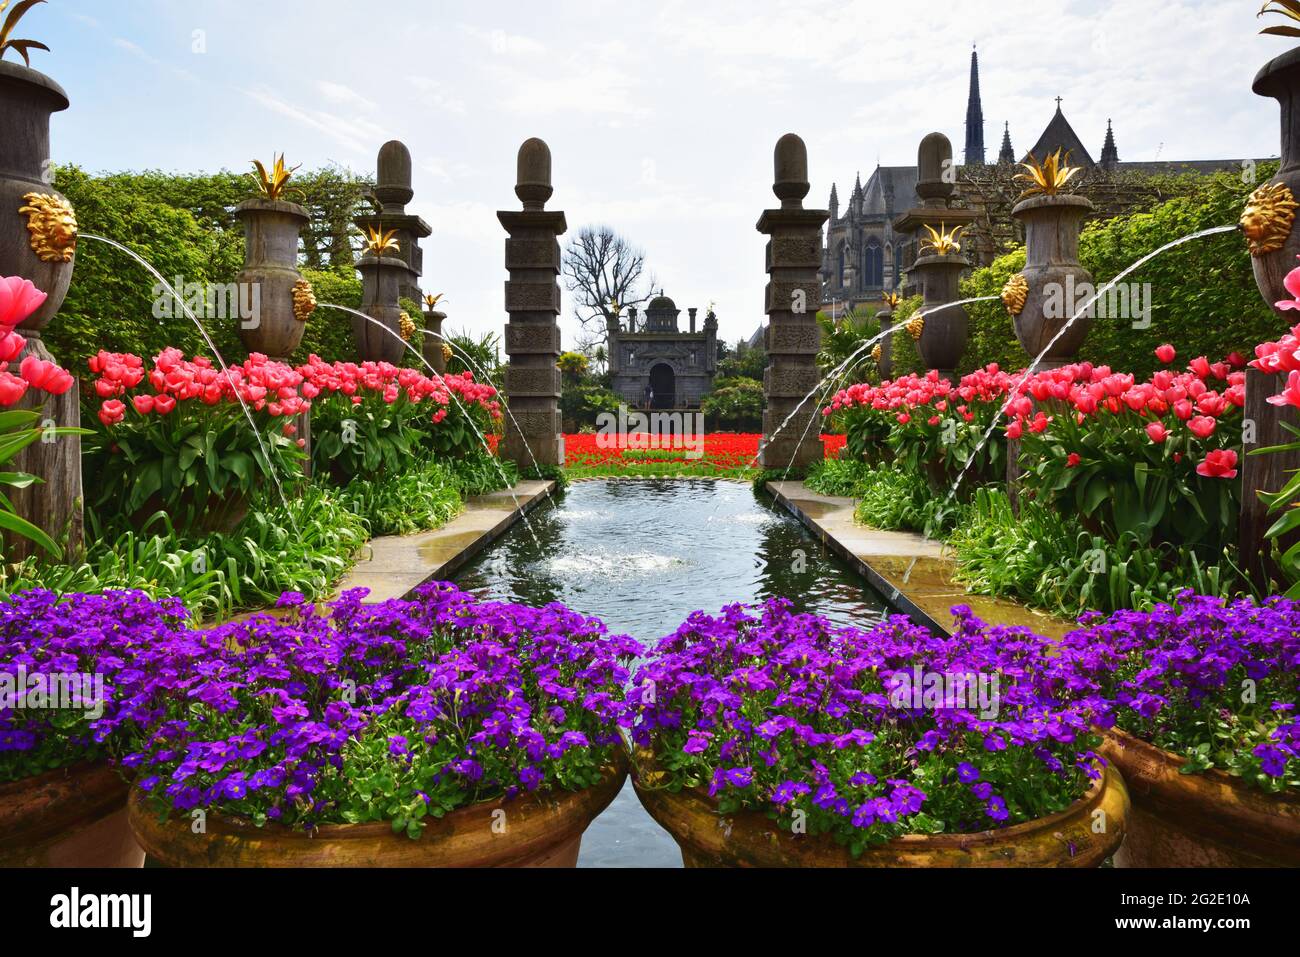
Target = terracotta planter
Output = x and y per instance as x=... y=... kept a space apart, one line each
x=1280 y=80
x=27 y=100
x=271 y=230
x=943 y=340
x=381 y=287
x=539 y=831
x=1054 y=276
x=750 y=839
x=72 y=817
x=1199 y=820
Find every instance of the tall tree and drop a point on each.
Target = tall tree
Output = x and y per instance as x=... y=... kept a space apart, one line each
x=605 y=274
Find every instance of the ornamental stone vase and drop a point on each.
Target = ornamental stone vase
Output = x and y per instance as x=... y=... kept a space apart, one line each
x=943 y=340
x=382 y=280
x=434 y=346
x=38 y=241
x=1269 y=217
x=1058 y=285
x=271 y=230
x=39 y=244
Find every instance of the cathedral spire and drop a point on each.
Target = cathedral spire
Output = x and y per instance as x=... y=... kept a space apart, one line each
x=1109 y=153
x=835 y=203
x=974 y=116
x=1008 y=155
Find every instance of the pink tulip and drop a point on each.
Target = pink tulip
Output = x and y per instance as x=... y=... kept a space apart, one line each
x=1202 y=426
x=1291 y=394
x=1166 y=354
x=1157 y=432
x=1221 y=463
x=18 y=300
x=1292 y=284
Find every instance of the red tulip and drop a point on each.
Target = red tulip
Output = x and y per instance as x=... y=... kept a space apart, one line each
x=1157 y=432
x=1202 y=426
x=12 y=388
x=1291 y=394
x=143 y=404
x=1166 y=354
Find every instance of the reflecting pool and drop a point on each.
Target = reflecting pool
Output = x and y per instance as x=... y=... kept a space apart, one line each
x=641 y=556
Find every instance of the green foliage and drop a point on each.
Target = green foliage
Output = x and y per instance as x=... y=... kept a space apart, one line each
x=735 y=407
x=1286 y=503
x=329 y=331
x=199 y=464
x=305 y=546
x=419 y=498
x=582 y=403
x=1203 y=294
x=481 y=356
x=744 y=363
x=19 y=429
x=186 y=227
x=110 y=304
x=1043 y=559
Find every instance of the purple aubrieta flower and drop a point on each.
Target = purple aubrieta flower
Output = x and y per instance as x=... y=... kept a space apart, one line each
x=445 y=688
x=967 y=772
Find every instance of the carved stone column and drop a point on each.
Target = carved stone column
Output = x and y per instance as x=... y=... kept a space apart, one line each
x=532 y=383
x=794 y=255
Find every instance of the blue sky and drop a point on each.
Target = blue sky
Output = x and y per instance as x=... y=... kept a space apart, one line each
x=661 y=116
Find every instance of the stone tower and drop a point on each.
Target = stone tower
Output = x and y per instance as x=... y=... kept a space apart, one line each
x=1007 y=156
x=1109 y=153
x=974 y=116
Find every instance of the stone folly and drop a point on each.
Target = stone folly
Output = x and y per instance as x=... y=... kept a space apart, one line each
x=654 y=364
x=533 y=436
x=791 y=419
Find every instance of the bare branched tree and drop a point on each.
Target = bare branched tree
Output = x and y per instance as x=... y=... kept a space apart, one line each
x=606 y=274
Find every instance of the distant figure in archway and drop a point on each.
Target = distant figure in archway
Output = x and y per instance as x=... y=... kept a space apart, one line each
x=663 y=387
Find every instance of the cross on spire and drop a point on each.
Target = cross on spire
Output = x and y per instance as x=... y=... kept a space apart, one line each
x=1058 y=102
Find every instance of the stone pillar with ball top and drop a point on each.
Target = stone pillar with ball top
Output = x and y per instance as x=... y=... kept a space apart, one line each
x=792 y=420
x=937 y=225
x=533 y=435
x=38 y=242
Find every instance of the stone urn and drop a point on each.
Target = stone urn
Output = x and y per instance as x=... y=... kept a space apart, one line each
x=943 y=340
x=38 y=241
x=271 y=230
x=435 y=348
x=1055 y=284
x=382 y=279
x=1269 y=216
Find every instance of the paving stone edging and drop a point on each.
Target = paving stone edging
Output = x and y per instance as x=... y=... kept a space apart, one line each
x=910 y=571
x=395 y=565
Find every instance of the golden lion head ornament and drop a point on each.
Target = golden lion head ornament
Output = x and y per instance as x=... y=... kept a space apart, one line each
x=304 y=300
x=1015 y=293
x=53 y=226
x=1268 y=218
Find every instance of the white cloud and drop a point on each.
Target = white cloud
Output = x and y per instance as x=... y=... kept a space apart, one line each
x=345 y=96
